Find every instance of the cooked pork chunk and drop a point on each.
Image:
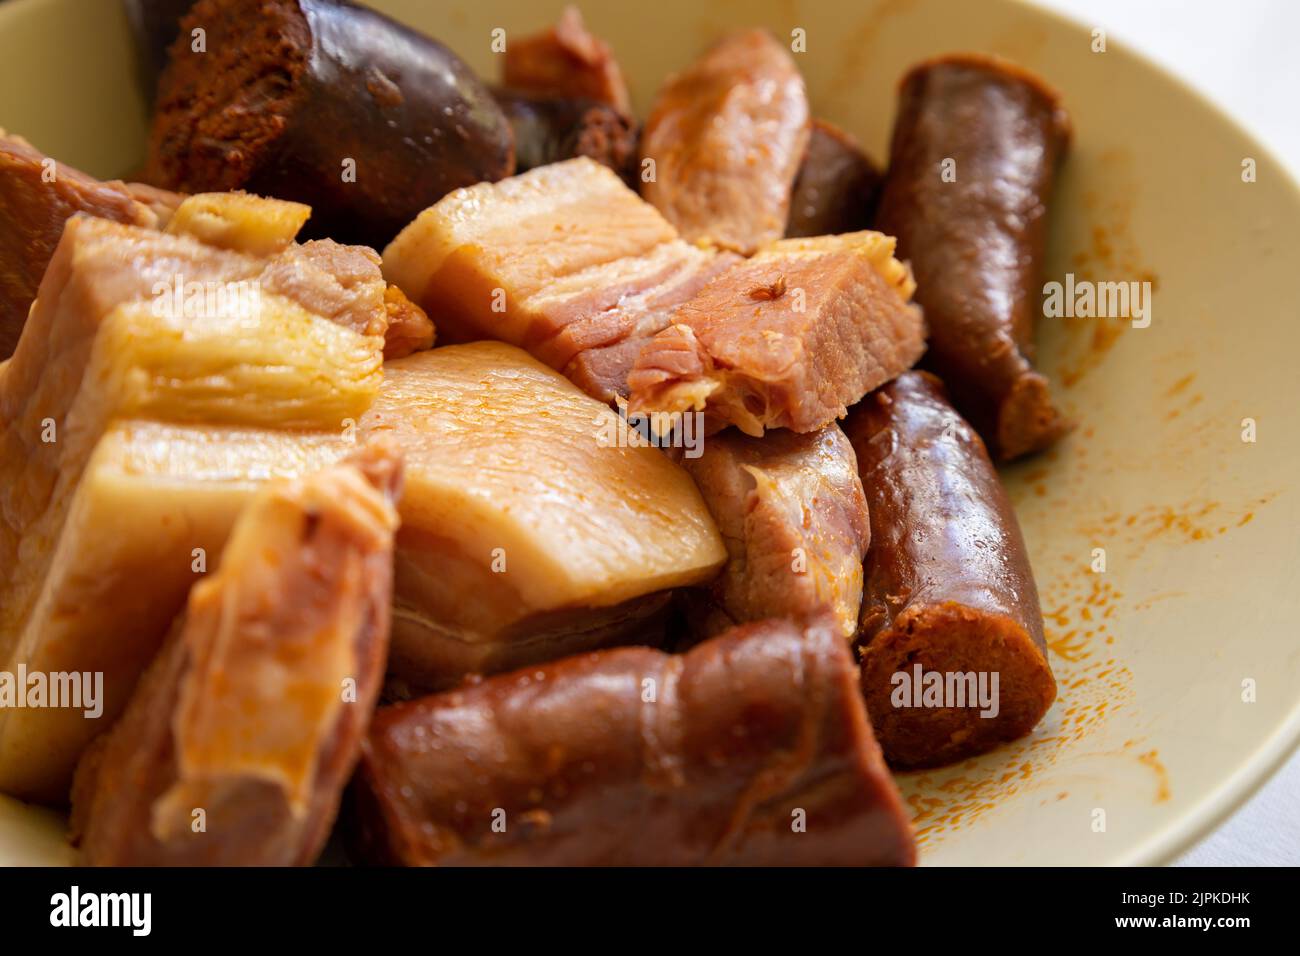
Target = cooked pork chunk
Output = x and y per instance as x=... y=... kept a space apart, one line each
x=727 y=136
x=788 y=339
x=792 y=513
x=529 y=528
x=116 y=336
x=37 y=196
x=237 y=743
x=567 y=60
x=564 y=261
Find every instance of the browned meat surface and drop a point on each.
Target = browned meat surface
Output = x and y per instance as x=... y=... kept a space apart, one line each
x=949 y=590
x=37 y=196
x=791 y=511
x=237 y=743
x=567 y=60
x=836 y=188
x=727 y=136
x=977 y=243
x=752 y=748
x=564 y=261
x=409 y=329
x=787 y=339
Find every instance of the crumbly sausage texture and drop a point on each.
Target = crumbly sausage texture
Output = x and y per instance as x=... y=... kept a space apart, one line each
x=948 y=584
x=326 y=103
x=752 y=748
x=976 y=242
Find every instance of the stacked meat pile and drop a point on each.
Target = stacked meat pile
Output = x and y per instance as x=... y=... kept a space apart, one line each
x=627 y=569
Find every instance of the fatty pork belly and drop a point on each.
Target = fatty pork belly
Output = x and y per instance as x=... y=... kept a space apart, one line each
x=750 y=749
x=37 y=196
x=563 y=261
x=791 y=510
x=529 y=528
x=727 y=136
x=159 y=379
x=250 y=720
x=790 y=338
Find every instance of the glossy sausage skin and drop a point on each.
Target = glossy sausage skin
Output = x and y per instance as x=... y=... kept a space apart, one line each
x=550 y=129
x=836 y=188
x=752 y=748
x=325 y=103
x=947 y=580
x=976 y=244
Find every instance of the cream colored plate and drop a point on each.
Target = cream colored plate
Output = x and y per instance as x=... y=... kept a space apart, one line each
x=1200 y=528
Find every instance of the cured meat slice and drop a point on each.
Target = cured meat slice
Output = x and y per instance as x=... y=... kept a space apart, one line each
x=791 y=510
x=236 y=745
x=526 y=494
x=751 y=749
x=787 y=339
x=727 y=136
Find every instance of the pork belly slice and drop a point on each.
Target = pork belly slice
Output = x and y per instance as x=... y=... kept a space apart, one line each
x=635 y=757
x=251 y=717
x=727 y=136
x=149 y=516
x=528 y=528
x=561 y=261
x=567 y=60
x=787 y=339
x=37 y=196
x=99 y=348
x=794 y=518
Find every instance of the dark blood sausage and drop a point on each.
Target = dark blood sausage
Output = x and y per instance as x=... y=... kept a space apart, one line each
x=292 y=97
x=976 y=244
x=752 y=748
x=550 y=129
x=154 y=27
x=948 y=587
x=836 y=188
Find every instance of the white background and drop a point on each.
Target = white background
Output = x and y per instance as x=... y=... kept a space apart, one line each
x=1245 y=56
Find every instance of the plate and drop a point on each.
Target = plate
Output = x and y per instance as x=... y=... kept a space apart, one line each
x=1178 y=664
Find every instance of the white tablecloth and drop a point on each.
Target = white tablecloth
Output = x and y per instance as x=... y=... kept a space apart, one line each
x=1242 y=54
